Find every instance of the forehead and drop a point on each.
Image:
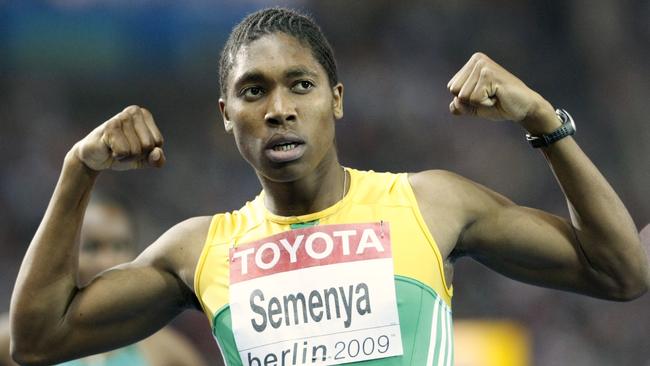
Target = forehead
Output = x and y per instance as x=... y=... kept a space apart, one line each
x=274 y=53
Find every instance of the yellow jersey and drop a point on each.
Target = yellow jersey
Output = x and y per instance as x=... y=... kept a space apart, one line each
x=423 y=298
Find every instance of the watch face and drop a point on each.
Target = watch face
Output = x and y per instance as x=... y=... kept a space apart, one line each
x=566 y=118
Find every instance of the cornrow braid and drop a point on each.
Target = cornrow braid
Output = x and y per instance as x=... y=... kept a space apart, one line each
x=269 y=21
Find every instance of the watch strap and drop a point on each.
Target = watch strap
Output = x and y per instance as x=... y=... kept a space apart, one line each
x=567 y=129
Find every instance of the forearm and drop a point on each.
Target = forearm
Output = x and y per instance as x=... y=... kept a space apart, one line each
x=603 y=227
x=47 y=278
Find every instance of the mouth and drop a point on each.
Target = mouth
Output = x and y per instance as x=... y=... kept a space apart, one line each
x=283 y=149
x=286 y=146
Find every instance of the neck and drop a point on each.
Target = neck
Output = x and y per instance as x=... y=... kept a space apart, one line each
x=315 y=192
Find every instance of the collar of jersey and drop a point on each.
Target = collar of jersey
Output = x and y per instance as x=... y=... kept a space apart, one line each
x=315 y=215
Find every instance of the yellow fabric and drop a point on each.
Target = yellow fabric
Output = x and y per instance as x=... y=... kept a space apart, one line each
x=372 y=197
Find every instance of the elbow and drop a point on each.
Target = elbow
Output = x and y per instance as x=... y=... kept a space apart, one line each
x=25 y=357
x=626 y=279
x=27 y=353
x=630 y=294
x=629 y=289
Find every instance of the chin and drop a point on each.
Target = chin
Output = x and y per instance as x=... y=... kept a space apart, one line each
x=282 y=172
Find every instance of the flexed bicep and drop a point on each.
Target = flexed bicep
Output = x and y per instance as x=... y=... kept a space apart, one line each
x=532 y=246
x=120 y=305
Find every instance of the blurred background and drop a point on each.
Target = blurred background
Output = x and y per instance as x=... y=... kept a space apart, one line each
x=67 y=66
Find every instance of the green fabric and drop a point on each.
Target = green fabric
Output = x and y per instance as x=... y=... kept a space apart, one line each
x=415 y=305
x=129 y=355
x=302 y=225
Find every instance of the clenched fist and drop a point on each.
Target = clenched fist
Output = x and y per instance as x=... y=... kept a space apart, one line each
x=129 y=140
x=484 y=88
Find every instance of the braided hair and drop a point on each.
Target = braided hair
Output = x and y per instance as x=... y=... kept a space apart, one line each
x=269 y=21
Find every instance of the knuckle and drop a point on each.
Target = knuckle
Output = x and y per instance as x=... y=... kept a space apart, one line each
x=486 y=72
x=147 y=144
x=127 y=118
x=132 y=109
x=478 y=55
x=113 y=126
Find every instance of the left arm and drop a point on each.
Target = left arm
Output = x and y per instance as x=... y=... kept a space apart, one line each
x=597 y=252
x=644 y=234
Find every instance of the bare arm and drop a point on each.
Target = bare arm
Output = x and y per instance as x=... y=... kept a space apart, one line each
x=52 y=318
x=5 y=357
x=644 y=235
x=597 y=252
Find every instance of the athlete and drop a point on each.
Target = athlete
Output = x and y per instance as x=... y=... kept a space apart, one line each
x=328 y=265
x=106 y=240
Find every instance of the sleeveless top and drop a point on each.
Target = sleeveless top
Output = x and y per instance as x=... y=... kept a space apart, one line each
x=423 y=299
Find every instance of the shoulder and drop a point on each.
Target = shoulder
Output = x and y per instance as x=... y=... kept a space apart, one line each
x=644 y=234
x=451 y=189
x=179 y=248
x=435 y=179
x=450 y=203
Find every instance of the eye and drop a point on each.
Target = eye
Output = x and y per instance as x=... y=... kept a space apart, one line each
x=303 y=86
x=252 y=92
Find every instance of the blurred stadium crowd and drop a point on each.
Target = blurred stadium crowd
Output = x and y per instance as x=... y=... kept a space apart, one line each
x=66 y=66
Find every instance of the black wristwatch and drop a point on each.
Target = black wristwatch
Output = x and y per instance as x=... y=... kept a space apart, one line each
x=568 y=128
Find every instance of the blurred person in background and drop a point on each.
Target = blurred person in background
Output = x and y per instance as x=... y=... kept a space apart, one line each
x=107 y=239
x=280 y=100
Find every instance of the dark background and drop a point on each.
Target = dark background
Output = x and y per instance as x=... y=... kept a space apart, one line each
x=67 y=66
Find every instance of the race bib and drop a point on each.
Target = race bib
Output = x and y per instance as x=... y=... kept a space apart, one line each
x=323 y=295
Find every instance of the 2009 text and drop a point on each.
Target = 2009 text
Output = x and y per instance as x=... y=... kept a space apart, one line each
x=353 y=347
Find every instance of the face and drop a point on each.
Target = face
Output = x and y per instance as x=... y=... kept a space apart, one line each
x=107 y=240
x=281 y=108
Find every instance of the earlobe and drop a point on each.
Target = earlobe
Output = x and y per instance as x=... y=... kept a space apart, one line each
x=227 y=124
x=338 y=101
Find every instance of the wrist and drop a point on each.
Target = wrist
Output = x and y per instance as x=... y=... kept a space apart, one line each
x=72 y=164
x=568 y=128
x=541 y=119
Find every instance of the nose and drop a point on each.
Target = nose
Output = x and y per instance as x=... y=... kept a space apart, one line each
x=280 y=109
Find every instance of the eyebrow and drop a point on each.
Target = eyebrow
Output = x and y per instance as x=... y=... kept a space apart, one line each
x=298 y=71
x=249 y=76
x=256 y=75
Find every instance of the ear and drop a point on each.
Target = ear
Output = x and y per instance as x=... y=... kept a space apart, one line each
x=227 y=124
x=337 y=93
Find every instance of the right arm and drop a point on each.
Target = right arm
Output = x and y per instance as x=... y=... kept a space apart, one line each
x=5 y=358
x=54 y=319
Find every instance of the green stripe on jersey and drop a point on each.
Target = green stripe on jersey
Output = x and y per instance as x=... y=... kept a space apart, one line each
x=302 y=225
x=425 y=324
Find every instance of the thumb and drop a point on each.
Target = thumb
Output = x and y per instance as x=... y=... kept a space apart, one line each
x=156 y=158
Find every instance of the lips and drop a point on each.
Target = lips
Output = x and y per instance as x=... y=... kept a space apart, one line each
x=283 y=148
